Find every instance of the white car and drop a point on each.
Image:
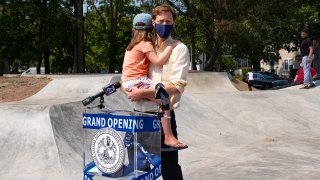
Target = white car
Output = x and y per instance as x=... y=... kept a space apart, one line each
x=33 y=70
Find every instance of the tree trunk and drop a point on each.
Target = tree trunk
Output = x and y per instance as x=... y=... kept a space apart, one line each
x=214 y=37
x=78 y=55
x=214 y=55
x=218 y=45
x=1 y=66
x=193 y=47
x=220 y=38
x=1 y=58
x=210 y=60
x=45 y=38
x=255 y=63
x=40 y=41
x=113 y=45
x=191 y=32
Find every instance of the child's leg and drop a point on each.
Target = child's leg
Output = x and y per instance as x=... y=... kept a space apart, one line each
x=169 y=138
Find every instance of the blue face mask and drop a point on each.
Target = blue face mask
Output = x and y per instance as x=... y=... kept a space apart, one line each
x=163 y=30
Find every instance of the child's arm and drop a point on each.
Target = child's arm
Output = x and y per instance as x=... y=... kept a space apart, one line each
x=161 y=59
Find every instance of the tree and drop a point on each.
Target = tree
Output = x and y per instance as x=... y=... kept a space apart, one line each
x=37 y=32
x=78 y=38
x=253 y=32
x=110 y=13
x=34 y=30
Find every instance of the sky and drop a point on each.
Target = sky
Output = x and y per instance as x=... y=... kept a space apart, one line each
x=85 y=7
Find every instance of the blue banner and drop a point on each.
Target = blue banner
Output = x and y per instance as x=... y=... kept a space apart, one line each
x=152 y=174
x=121 y=123
x=87 y=176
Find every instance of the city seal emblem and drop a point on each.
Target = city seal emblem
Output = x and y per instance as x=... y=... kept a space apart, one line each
x=107 y=150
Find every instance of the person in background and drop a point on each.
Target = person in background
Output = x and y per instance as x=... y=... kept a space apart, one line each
x=250 y=79
x=307 y=57
x=300 y=77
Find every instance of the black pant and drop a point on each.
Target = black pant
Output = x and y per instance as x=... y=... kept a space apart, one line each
x=170 y=167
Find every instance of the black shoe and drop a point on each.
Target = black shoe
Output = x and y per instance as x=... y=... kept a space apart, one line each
x=311 y=85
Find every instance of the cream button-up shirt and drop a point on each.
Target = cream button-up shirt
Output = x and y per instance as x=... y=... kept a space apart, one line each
x=175 y=70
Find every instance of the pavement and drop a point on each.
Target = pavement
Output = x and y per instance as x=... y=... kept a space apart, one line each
x=270 y=134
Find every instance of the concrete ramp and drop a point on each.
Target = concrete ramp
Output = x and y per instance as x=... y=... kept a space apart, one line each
x=207 y=82
x=68 y=88
x=317 y=85
x=41 y=136
x=251 y=135
x=28 y=149
x=231 y=134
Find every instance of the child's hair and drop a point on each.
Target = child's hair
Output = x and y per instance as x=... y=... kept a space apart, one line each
x=140 y=35
x=142 y=30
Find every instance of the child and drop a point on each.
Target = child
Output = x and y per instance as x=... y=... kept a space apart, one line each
x=139 y=53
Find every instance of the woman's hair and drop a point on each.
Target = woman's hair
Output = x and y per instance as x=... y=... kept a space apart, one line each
x=139 y=35
x=164 y=8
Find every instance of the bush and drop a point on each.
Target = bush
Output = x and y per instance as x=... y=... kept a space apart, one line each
x=245 y=70
x=227 y=63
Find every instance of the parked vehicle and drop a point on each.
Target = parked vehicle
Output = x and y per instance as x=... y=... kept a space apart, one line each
x=33 y=70
x=244 y=78
x=266 y=80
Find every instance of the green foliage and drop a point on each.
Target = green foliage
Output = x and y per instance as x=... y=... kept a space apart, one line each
x=252 y=29
x=98 y=35
x=31 y=29
x=227 y=63
x=245 y=70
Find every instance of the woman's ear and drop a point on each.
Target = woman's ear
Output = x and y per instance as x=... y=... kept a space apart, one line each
x=153 y=23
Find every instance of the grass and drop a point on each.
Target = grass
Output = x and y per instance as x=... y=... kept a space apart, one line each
x=238 y=77
x=236 y=82
x=236 y=86
x=9 y=81
x=43 y=77
x=17 y=76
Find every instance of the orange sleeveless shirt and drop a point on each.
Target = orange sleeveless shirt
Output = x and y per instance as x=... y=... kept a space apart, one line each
x=136 y=63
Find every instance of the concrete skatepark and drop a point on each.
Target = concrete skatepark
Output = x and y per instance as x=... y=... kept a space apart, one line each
x=271 y=134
